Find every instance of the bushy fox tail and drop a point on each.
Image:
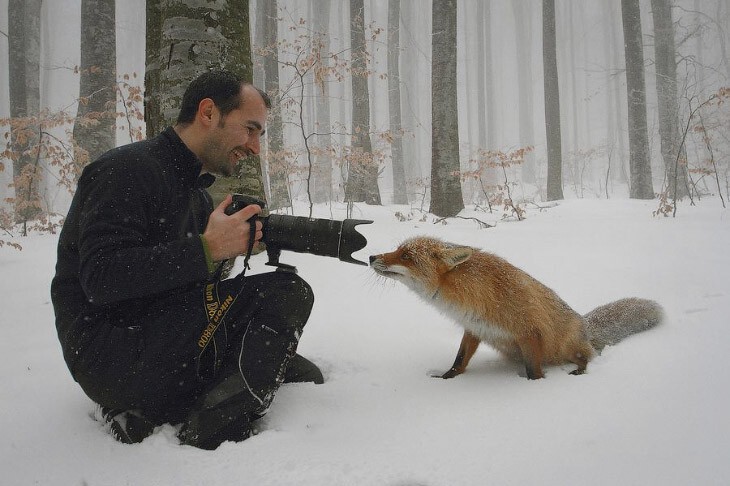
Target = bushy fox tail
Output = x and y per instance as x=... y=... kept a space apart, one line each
x=613 y=322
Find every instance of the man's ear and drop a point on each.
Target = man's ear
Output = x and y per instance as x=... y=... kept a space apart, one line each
x=457 y=255
x=207 y=111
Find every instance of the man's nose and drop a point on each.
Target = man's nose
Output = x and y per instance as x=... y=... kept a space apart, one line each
x=254 y=144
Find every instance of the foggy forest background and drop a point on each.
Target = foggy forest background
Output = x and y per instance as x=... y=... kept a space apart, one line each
x=498 y=105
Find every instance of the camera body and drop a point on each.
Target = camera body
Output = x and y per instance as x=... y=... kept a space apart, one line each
x=323 y=237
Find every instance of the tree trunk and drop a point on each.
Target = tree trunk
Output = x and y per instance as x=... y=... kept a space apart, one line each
x=411 y=87
x=400 y=195
x=362 y=179
x=197 y=36
x=668 y=104
x=486 y=103
x=278 y=177
x=154 y=123
x=259 y=43
x=639 y=162
x=574 y=98
x=620 y=174
x=97 y=90
x=523 y=42
x=552 y=103
x=24 y=34
x=446 y=195
x=322 y=162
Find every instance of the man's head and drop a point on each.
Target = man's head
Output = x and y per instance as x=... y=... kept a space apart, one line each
x=222 y=119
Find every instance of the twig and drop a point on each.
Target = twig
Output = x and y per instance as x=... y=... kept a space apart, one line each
x=706 y=139
x=482 y=224
x=681 y=146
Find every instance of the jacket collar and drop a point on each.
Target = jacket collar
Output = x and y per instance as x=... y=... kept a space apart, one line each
x=185 y=163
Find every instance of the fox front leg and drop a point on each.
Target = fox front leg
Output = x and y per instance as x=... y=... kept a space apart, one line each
x=467 y=348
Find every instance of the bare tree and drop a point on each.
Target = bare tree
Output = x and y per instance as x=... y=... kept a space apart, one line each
x=322 y=190
x=617 y=133
x=154 y=122
x=479 y=19
x=97 y=84
x=278 y=178
x=487 y=71
x=552 y=103
x=362 y=181
x=400 y=195
x=24 y=34
x=639 y=161
x=446 y=195
x=668 y=106
x=523 y=42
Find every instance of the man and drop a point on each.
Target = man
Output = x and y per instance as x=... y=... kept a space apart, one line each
x=145 y=329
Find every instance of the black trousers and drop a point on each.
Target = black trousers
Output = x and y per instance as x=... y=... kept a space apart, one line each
x=212 y=357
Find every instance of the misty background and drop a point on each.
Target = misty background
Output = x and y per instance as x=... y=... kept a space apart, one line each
x=499 y=59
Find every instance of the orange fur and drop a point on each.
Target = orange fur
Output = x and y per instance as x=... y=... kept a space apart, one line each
x=494 y=301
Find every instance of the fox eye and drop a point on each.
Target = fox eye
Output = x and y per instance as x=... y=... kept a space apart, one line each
x=405 y=256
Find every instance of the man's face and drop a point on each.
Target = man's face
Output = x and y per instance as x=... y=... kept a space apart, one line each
x=236 y=135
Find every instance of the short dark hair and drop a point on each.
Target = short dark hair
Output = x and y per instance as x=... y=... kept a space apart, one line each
x=223 y=87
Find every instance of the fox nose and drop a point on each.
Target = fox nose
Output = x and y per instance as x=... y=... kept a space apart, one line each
x=373 y=258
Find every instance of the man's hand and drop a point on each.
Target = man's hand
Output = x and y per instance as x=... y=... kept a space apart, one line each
x=227 y=236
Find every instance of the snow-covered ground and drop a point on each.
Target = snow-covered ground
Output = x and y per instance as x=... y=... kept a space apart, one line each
x=651 y=410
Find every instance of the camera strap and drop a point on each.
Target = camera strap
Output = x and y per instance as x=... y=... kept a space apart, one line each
x=217 y=308
x=251 y=242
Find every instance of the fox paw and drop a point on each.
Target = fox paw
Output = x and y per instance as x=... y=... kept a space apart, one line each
x=449 y=374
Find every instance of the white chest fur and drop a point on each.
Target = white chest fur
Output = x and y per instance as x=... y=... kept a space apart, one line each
x=486 y=331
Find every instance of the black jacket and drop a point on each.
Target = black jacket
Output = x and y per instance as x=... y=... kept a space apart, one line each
x=130 y=238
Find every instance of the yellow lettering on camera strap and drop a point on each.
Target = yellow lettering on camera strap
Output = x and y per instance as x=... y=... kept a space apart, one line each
x=216 y=310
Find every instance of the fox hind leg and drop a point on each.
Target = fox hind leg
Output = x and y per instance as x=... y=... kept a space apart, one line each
x=467 y=348
x=580 y=356
x=532 y=354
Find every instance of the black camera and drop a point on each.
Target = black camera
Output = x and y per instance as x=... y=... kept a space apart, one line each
x=323 y=237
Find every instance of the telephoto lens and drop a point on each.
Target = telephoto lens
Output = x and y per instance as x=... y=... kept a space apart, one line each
x=322 y=237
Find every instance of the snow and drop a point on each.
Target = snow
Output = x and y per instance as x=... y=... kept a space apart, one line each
x=651 y=410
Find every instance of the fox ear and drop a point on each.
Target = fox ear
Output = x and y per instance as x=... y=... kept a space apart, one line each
x=457 y=255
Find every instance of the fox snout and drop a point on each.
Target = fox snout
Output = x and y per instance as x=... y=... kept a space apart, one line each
x=381 y=266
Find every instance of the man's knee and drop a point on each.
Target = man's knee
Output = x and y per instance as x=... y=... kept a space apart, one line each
x=298 y=287
x=288 y=291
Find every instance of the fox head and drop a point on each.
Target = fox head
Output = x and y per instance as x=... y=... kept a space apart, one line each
x=419 y=262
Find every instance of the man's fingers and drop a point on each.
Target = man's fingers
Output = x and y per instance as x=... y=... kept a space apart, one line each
x=224 y=204
x=246 y=213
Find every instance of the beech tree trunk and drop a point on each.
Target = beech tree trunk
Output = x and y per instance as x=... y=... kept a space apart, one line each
x=97 y=88
x=362 y=180
x=400 y=195
x=552 y=103
x=197 y=36
x=523 y=43
x=668 y=104
x=24 y=35
x=278 y=177
x=446 y=195
x=639 y=162
x=322 y=177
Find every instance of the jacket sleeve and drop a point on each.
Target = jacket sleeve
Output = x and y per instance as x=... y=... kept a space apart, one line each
x=122 y=203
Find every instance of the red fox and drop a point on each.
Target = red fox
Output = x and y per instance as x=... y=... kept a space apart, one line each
x=503 y=306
